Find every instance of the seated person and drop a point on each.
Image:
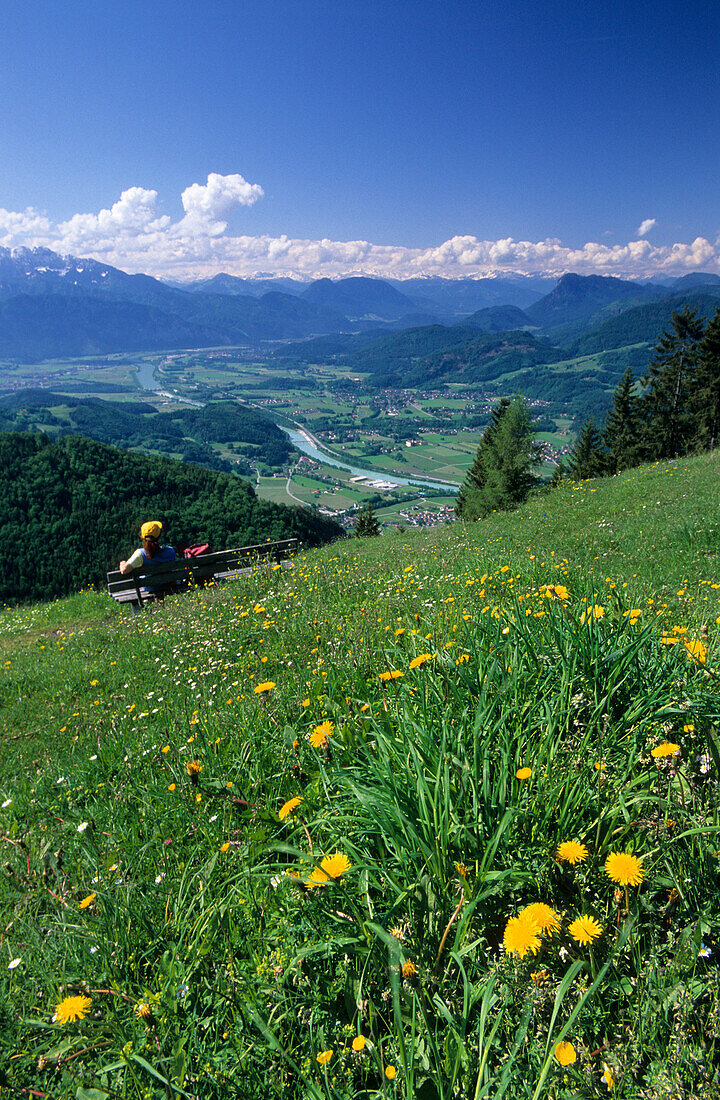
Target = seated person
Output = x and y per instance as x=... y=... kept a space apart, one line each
x=150 y=551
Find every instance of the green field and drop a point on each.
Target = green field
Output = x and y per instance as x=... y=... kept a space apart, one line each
x=280 y=838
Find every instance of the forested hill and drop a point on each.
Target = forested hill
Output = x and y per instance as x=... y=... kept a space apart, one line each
x=72 y=510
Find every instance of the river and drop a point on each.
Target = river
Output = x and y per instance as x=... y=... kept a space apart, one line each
x=304 y=441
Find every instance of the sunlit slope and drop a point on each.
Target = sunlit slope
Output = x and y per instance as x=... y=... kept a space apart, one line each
x=259 y=822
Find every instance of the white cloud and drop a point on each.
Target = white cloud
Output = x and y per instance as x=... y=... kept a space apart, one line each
x=134 y=235
x=646 y=226
x=205 y=205
x=19 y=227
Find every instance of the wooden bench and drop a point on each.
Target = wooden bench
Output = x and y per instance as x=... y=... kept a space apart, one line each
x=175 y=576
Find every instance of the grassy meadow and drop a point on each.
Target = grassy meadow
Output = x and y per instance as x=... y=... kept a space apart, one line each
x=281 y=838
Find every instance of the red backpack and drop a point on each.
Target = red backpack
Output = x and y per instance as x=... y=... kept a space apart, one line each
x=196 y=551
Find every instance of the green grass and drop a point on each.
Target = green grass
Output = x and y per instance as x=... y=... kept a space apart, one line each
x=198 y=900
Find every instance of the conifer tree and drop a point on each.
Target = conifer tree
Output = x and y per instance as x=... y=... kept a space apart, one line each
x=367 y=526
x=502 y=474
x=621 y=433
x=666 y=403
x=587 y=457
x=706 y=389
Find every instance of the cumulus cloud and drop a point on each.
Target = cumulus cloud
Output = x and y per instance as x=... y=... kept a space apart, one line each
x=133 y=234
x=206 y=205
x=645 y=226
x=21 y=227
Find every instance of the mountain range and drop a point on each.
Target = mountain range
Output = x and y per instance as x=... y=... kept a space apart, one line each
x=53 y=305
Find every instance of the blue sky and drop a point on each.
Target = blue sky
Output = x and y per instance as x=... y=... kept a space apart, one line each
x=395 y=138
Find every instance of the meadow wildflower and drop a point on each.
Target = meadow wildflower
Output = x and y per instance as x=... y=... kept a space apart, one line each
x=142 y=1010
x=571 y=851
x=538 y=977
x=266 y=685
x=585 y=930
x=624 y=868
x=225 y=847
x=287 y=808
x=331 y=869
x=520 y=936
x=171 y=786
x=665 y=749
x=86 y=902
x=390 y=1072
x=420 y=660
x=318 y=738
x=594 y=612
x=359 y=1042
x=409 y=970
x=565 y=1053
x=324 y=1057
x=607 y=1077
x=523 y=773
x=540 y=914
x=394 y=675
x=71 y=1009
x=697 y=649
x=194 y=767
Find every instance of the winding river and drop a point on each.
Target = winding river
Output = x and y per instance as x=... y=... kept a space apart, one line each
x=302 y=439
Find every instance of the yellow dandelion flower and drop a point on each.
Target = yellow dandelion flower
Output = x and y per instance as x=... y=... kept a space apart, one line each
x=266 y=685
x=87 y=901
x=390 y=1072
x=225 y=847
x=71 y=1009
x=521 y=936
x=624 y=868
x=523 y=773
x=538 y=977
x=607 y=1077
x=398 y=933
x=409 y=970
x=540 y=914
x=420 y=660
x=171 y=786
x=571 y=851
x=194 y=767
x=318 y=738
x=143 y=1010
x=665 y=749
x=585 y=930
x=331 y=869
x=461 y=870
x=287 y=808
x=594 y=612
x=324 y=1057
x=306 y=702
x=394 y=675
x=565 y=1053
x=359 y=1042
x=697 y=649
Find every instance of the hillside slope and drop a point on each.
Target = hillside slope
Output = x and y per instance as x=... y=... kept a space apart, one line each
x=293 y=827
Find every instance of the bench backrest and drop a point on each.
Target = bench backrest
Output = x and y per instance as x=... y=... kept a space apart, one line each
x=166 y=574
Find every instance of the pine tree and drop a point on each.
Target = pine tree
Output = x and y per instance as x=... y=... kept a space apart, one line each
x=621 y=433
x=367 y=526
x=502 y=474
x=705 y=404
x=587 y=457
x=666 y=404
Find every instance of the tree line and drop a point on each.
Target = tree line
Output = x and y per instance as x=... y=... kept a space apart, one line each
x=672 y=410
